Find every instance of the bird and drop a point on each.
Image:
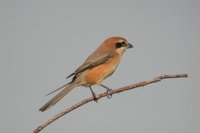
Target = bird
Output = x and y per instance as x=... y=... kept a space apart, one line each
x=98 y=66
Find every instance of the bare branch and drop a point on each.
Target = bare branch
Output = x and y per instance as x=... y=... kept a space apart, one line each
x=114 y=91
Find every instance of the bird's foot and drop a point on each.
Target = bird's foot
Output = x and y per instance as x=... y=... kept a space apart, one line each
x=95 y=97
x=109 y=95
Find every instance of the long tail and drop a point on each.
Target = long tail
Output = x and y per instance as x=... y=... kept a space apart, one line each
x=58 y=97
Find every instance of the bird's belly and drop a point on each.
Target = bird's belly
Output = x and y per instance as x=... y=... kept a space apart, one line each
x=99 y=73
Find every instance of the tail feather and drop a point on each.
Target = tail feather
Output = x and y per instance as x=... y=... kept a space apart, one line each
x=58 y=97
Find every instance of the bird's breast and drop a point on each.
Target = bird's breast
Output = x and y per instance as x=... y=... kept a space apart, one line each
x=100 y=72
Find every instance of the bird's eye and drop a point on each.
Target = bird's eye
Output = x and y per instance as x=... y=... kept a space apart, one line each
x=120 y=44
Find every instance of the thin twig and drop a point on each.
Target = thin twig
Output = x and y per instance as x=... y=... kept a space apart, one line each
x=129 y=87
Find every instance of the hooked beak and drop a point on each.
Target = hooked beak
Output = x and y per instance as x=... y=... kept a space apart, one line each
x=129 y=45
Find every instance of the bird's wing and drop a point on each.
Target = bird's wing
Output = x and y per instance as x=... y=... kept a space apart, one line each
x=92 y=62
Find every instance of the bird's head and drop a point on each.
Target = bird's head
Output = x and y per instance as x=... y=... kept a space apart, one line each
x=116 y=44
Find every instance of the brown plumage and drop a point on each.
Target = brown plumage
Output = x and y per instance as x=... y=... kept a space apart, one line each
x=98 y=66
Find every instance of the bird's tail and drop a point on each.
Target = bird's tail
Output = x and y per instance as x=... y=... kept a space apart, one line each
x=58 y=97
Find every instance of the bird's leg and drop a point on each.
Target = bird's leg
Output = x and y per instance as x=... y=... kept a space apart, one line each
x=108 y=91
x=93 y=94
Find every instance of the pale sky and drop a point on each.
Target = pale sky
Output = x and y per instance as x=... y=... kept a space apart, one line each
x=42 y=42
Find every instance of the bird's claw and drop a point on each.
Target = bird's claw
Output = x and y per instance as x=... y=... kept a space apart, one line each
x=95 y=97
x=109 y=95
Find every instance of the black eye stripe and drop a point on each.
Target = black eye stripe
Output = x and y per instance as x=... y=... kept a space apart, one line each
x=120 y=44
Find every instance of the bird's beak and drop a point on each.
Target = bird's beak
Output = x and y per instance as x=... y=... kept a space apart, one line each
x=129 y=45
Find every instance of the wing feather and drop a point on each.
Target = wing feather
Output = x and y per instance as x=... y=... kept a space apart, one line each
x=92 y=62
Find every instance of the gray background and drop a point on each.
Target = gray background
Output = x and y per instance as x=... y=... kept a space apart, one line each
x=43 y=41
